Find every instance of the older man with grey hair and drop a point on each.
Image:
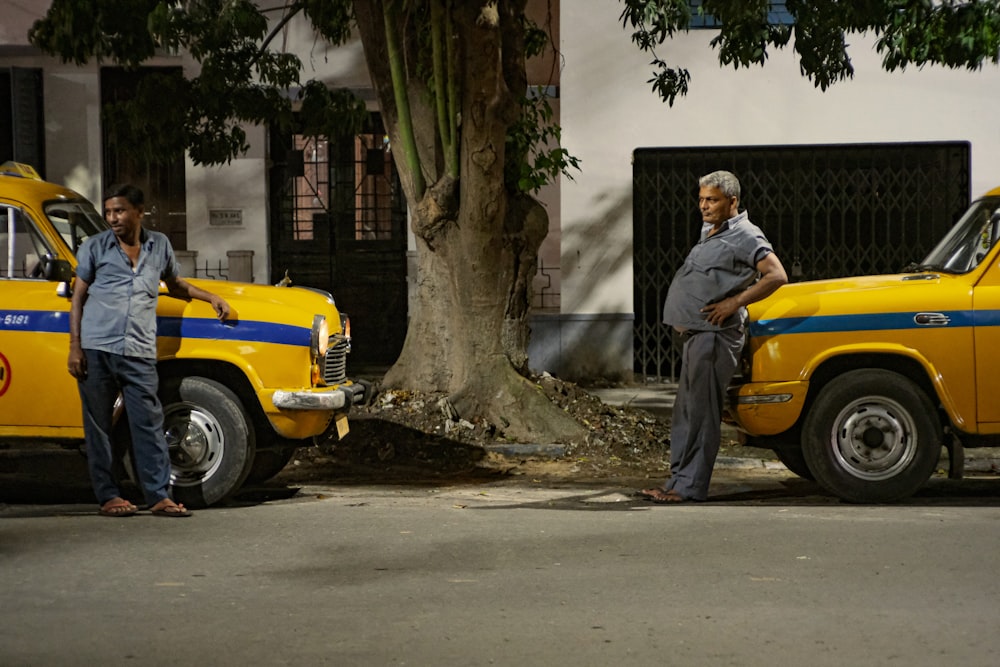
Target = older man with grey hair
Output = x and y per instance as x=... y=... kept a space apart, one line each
x=731 y=266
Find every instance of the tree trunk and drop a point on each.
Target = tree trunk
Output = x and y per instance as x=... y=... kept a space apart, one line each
x=526 y=226
x=473 y=249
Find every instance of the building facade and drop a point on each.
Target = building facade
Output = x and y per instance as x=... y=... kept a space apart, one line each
x=254 y=218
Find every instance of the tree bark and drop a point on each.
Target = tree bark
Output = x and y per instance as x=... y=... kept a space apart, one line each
x=473 y=248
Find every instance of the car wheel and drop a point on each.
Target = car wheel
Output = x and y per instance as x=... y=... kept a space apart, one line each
x=269 y=462
x=871 y=436
x=793 y=459
x=211 y=445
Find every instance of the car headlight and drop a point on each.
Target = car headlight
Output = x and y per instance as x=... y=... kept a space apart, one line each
x=319 y=338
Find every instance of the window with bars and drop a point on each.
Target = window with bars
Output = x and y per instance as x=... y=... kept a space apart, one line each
x=311 y=192
x=373 y=192
x=777 y=15
x=368 y=178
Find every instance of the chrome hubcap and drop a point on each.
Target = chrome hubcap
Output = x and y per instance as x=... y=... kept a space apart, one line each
x=195 y=441
x=874 y=438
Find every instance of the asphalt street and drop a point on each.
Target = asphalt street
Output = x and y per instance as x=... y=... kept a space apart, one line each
x=509 y=573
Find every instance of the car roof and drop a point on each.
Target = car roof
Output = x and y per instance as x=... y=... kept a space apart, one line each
x=22 y=188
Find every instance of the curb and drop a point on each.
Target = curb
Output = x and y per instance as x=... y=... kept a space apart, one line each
x=518 y=450
x=555 y=451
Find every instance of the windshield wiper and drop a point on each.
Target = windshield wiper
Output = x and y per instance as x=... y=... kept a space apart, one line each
x=913 y=267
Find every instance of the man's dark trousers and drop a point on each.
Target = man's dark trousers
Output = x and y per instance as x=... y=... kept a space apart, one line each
x=136 y=378
x=708 y=362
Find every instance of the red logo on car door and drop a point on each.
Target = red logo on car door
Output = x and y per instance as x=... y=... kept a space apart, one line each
x=4 y=374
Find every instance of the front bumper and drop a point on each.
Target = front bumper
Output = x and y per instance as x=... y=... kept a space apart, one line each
x=767 y=408
x=322 y=398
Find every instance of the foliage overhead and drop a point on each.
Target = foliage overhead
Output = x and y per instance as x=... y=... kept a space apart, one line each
x=240 y=80
x=953 y=33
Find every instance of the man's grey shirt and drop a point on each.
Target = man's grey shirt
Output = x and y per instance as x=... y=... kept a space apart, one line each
x=119 y=315
x=718 y=266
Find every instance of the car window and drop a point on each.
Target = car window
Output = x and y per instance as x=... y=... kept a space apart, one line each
x=21 y=246
x=75 y=221
x=969 y=241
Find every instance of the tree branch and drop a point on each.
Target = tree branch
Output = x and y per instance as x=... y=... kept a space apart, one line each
x=440 y=31
x=405 y=120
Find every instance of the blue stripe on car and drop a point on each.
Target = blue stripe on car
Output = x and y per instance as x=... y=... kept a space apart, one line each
x=42 y=321
x=868 y=322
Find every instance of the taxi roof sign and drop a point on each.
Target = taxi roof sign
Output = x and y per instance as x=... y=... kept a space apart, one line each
x=12 y=168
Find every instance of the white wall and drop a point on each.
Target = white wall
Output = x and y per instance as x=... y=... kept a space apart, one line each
x=240 y=185
x=608 y=110
x=73 y=149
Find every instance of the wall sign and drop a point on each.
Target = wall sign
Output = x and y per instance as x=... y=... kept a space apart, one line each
x=225 y=217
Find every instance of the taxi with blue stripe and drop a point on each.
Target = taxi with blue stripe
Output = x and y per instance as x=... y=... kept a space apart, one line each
x=859 y=382
x=239 y=396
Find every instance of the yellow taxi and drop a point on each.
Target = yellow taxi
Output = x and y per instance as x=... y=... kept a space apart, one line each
x=238 y=396
x=859 y=382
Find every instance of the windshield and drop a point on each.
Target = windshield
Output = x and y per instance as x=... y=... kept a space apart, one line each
x=969 y=241
x=75 y=221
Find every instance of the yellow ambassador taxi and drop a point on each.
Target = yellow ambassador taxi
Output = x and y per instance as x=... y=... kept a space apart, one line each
x=238 y=396
x=859 y=382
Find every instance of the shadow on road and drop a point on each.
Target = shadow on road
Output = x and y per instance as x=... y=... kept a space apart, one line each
x=59 y=478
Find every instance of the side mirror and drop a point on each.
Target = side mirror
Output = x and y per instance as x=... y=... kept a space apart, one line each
x=57 y=270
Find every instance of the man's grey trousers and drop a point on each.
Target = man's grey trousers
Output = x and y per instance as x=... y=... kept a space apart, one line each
x=708 y=362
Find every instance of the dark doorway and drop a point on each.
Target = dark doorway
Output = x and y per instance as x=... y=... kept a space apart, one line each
x=338 y=223
x=829 y=211
x=161 y=178
x=22 y=117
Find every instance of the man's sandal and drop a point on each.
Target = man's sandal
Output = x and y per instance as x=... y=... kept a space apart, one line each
x=169 y=508
x=117 y=507
x=662 y=497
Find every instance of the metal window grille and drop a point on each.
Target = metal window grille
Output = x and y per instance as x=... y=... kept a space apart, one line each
x=828 y=210
x=311 y=190
x=777 y=14
x=373 y=191
x=545 y=287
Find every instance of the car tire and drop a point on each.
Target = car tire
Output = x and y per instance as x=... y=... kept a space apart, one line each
x=871 y=436
x=794 y=459
x=208 y=435
x=269 y=462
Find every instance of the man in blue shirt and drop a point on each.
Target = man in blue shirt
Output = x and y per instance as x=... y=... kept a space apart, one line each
x=706 y=304
x=113 y=347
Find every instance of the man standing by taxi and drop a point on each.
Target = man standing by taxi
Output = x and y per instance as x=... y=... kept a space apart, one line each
x=113 y=347
x=706 y=305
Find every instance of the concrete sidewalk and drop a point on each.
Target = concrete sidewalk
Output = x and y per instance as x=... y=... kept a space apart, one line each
x=658 y=398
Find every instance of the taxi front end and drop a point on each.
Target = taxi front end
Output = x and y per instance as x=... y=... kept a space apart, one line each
x=289 y=343
x=272 y=376
x=238 y=396
x=859 y=382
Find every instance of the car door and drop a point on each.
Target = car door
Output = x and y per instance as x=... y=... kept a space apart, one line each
x=38 y=397
x=986 y=305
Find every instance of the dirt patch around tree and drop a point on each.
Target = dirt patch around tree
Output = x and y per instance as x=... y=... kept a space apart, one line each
x=406 y=436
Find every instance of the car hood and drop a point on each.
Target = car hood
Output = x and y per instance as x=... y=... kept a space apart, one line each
x=798 y=306
x=295 y=306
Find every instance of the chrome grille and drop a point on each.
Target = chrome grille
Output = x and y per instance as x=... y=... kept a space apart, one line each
x=335 y=363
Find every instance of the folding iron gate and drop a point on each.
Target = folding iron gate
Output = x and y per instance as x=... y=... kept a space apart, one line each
x=829 y=211
x=338 y=223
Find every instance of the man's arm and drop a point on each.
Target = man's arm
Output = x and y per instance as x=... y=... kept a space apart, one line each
x=182 y=289
x=77 y=362
x=772 y=276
